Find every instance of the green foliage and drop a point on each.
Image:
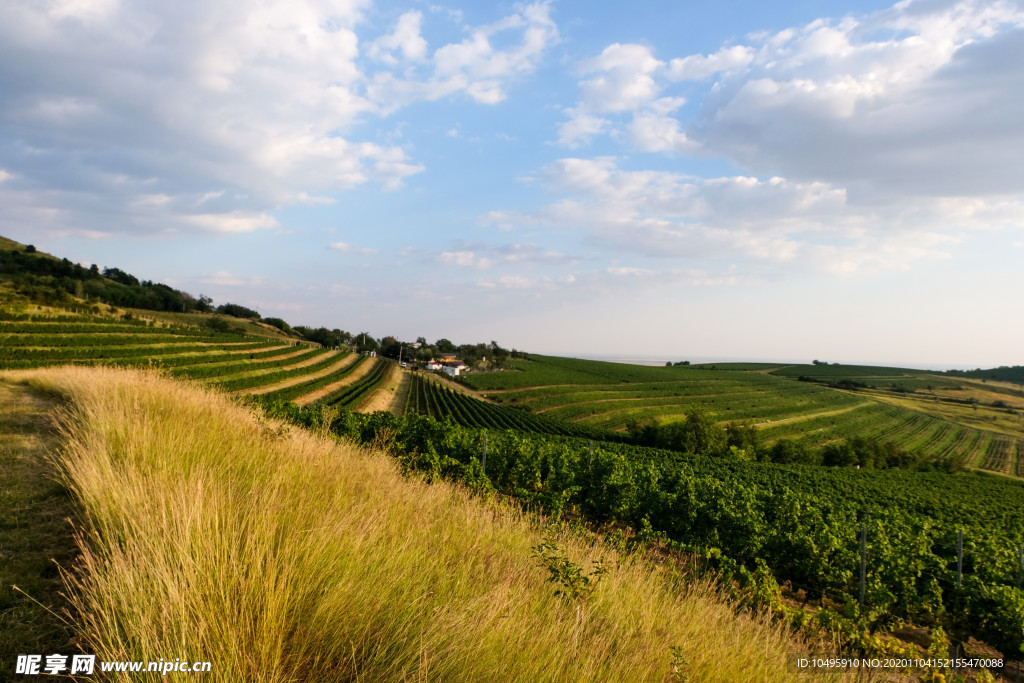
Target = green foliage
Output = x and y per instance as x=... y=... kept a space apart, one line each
x=279 y=324
x=755 y=522
x=48 y=280
x=430 y=398
x=350 y=396
x=238 y=311
x=679 y=665
x=573 y=584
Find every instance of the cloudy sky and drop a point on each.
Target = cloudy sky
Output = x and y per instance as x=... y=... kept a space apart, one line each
x=711 y=179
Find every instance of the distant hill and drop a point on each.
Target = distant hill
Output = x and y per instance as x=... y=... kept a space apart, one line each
x=1003 y=373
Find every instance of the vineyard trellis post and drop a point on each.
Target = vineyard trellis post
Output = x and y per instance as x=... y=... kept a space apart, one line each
x=483 y=459
x=863 y=563
x=959 y=564
x=1020 y=565
x=959 y=557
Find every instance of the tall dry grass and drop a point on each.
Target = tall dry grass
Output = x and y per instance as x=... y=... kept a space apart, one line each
x=278 y=555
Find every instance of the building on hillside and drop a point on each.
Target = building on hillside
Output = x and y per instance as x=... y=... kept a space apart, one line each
x=453 y=368
x=434 y=365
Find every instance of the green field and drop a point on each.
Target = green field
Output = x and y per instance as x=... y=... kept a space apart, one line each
x=231 y=361
x=918 y=411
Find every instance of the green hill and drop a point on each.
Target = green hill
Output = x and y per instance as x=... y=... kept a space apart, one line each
x=935 y=417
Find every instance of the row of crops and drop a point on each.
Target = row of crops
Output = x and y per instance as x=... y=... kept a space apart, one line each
x=315 y=384
x=800 y=524
x=427 y=397
x=232 y=362
x=351 y=395
x=768 y=396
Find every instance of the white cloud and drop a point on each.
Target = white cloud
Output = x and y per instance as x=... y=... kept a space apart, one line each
x=473 y=66
x=405 y=38
x=868 y=143
x=481 y=256
x=621 y=78
x=581 y=128
x=921 y=98
x=772 y=223
x=235 y=221
x=696 y=67
x=464 y=259
x=531 y=283
x=652 y=133
x=223 y=278
x=210 y=116
x=5 y=176
x=346 y=248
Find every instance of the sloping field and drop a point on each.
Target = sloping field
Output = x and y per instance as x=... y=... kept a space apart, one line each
x=609 y=396
x=428 y=396
x=233 y=362
x=311 y=560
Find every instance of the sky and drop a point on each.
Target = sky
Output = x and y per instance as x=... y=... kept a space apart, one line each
x=841 y=181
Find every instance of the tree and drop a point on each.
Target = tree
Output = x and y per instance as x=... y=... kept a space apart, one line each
x=365 y=343
x=787 y=451
x=839 y=455
x=279 y=324
x=118 y=275
x=390 y=347
x=238 y=311
x=744 y=436
x=699 y=433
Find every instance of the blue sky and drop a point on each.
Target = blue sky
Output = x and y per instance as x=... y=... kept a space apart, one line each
x=828 y=180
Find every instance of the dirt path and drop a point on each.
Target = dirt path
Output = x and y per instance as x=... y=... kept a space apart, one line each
x=362 y=370
x=340 y=365
x=784 y=420
x=35 y=534
x=811 y=416
x=390 y=395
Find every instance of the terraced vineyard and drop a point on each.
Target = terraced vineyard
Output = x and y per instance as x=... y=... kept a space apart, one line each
x=427 y=397
x=279 y=367
x=888 y=407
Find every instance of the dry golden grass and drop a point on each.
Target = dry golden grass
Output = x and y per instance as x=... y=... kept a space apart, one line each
x=280 y=555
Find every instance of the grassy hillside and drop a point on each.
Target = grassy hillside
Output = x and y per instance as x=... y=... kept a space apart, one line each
x=278 y=555
x=249 y=360
x=938 y=417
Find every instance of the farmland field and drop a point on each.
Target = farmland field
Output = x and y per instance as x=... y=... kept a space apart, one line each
x=268 y=364
x=918 y=411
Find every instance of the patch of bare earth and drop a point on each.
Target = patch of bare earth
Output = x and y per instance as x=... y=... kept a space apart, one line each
x=391 y=395
x=363 y=368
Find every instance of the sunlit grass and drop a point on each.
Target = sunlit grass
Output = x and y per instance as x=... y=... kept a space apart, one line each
x=279 y=555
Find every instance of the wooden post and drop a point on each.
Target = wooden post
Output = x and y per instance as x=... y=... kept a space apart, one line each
x=1020 y=565
x=863 y=563
x=959 y=566
x=959 y=558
